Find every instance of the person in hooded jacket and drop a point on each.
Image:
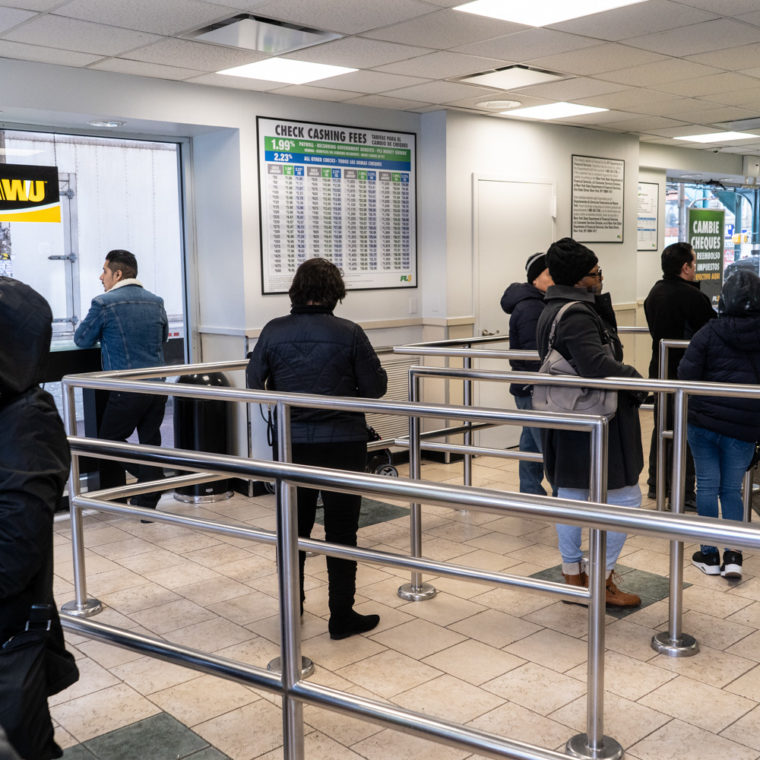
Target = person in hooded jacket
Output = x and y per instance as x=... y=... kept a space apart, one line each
x=313 y=351
x=722 y=431
x=581 y=337
x=524 y=302
x=34 y=467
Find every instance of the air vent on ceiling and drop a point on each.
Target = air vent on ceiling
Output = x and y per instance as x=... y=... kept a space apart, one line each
x=511 y=77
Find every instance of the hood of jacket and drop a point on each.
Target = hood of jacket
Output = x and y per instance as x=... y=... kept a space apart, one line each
x=26 y=326
x=740 y=333
x=519 y=291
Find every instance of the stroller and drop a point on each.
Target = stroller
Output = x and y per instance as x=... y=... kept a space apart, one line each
x=379 y=461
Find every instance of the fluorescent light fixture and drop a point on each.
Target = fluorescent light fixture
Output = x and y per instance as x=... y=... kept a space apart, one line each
x=498 y=105
x=286 y=70
x=106 y=124
x=542 y=12
x=719 y=137
x=553 y=111
x=512 y=77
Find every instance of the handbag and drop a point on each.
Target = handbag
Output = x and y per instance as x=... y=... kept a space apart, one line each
x=563 y=399
x=32 y=668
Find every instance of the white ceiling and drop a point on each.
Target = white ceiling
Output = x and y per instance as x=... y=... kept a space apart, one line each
x=664 y=68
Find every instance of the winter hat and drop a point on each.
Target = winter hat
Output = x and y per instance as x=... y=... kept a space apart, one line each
x=569 y=261
x=535 y=265
x=741 y=295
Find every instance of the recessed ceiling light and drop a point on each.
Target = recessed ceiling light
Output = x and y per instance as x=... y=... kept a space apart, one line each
x=286 y=70
x=554 y=111
x=512 y=77
x=498 y=105
x=719 y=137
x=540 y=13
x=109 y=124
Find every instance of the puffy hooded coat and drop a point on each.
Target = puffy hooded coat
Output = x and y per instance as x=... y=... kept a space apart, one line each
x=313 y=351
x=524 y=302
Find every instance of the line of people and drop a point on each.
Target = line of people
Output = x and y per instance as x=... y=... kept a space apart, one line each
x=721 y=431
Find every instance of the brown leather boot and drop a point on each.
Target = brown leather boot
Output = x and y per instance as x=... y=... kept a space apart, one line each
x=581 y=579
x=617 y=598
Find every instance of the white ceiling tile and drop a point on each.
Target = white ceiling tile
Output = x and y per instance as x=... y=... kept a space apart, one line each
x=10 y=17
x=750 y=18
x=715 y=114
x=195 y=55
x=645 y=123
x=81 y=36
x=652 y=74
x=571 y=89
x=724 y=7
x=443 y=92
x=35 y=5
x=357 y=52
x=442 y=64
x=732 y=59
x=445 y=29
x=630 y=99
x=527 y=44
x=346 y=16
x=235 y=83
x=370 y=81
x=249 y=6
x=143 y=69
x=472 y=101
x=744 y=98
x=26 y=52
x=752 y=72
x=316 y=93
x=164 y=17
x=595 y=60
x=699 y=38
x=400 y=104
x=630 y=21
x=710 y=85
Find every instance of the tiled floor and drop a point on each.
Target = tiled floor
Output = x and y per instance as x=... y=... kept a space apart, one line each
x=498 y=659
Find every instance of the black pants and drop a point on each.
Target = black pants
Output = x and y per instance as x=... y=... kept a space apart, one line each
x=341 y=513
x=125 y=413
x=689 y=475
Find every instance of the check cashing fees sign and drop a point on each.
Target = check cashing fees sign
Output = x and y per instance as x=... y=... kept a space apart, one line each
x=29 y=193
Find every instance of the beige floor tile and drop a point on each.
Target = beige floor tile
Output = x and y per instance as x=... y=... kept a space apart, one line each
x=211 y=635
x=443 y=609
x=552 y=649
x=670 y=741
x=713 y=602
x=188 y=542
x=393 y=745
x=498 y=629
x=464 y=589
x=711 y=631
x=156 y=559
x=711 y=666
x=127 y=546
x=92 y=678
x=630 y=639
x=257 y=651
x=749 y=589
x=748 y=647
x=111 y=581
x=148 y=675
x=217 y=554
x=697 y=703
x=748 y=615
x=107 y=655
x=571 y=619
x=473 y=661
x=181 y=575
x=654 y=616
x=498 y=542
x=135 y=598
x=511 y=721
x=650 y=561
x=449 y=698
x=625 y=721
x=456 y=531
x=216 y=591
x=321 y=746
x=443 y=550
x=63 y=738
x=482 y=559
x=388 y=673
x=202 y=698
x=747 y=685
x=102 y=711
x=746 y=730
x=247 y=607
x=334 y=655
x=249 y=569
x=390 y=617
x=537 y=688
x=386 y=591
x=341 y=728
x=246 y=732
x=513 y=601
x=170 y=616
x=417 y=638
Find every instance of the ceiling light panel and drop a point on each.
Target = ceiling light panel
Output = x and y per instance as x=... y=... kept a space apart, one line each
x=286 y=70
x=540 y=13
x=553 y=111
x=718 y=137
x=512 y=77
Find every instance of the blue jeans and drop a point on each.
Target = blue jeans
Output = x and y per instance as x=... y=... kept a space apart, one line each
x=720 y=462
x=569 y=536
x=531 y=473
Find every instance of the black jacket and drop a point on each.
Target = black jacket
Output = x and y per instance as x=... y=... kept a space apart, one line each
x=313 y=351
x=524 y=302
x=580 y=338
x=675 y=308
x=726 y=350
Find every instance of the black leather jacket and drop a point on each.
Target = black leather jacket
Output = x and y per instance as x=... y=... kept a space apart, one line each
x=313 y=351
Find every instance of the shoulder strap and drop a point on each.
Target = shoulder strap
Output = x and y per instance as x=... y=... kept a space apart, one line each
x=560 y=313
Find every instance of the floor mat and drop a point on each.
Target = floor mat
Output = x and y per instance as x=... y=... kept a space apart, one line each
x=373 y=512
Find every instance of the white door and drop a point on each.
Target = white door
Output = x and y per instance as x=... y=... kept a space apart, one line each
x=512 y=219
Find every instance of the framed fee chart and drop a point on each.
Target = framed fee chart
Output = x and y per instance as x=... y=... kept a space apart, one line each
x=347 y=194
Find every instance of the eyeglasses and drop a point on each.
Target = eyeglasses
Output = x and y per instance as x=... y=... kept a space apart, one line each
x=597 y=275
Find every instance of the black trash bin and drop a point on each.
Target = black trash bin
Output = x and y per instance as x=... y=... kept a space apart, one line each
x=201 y=425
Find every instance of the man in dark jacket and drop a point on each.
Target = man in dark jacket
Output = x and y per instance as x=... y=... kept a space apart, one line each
x=675 y=308
x=524 y=302
x=34 y=466
x=582 y=337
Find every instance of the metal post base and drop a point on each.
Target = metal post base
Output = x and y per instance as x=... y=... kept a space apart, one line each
x=577 y=746
x=684 y=646
x=91 y=607
x=210 y=498
x=307 y=666
x=420 y=593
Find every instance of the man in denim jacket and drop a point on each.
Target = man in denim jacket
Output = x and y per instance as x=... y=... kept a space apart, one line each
x=131 y=324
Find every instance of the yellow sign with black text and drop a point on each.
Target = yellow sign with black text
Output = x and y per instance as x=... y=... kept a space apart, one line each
x=29 y=193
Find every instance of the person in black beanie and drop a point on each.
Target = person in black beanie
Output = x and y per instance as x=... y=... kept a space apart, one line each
x=587 y=337
x=524 y=302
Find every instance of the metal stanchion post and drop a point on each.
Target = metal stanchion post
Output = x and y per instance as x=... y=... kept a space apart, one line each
x=674 y=642
x=416 y=590
x=594 y=745
x=467 y=400
x=661 y=424
x=81 y=605
x=747 y=492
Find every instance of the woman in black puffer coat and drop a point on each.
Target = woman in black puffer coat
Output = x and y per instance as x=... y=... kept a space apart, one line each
x=722 y=431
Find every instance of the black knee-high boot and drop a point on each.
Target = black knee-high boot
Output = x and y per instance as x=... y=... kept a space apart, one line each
x=301 y=563
x=344 y=622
